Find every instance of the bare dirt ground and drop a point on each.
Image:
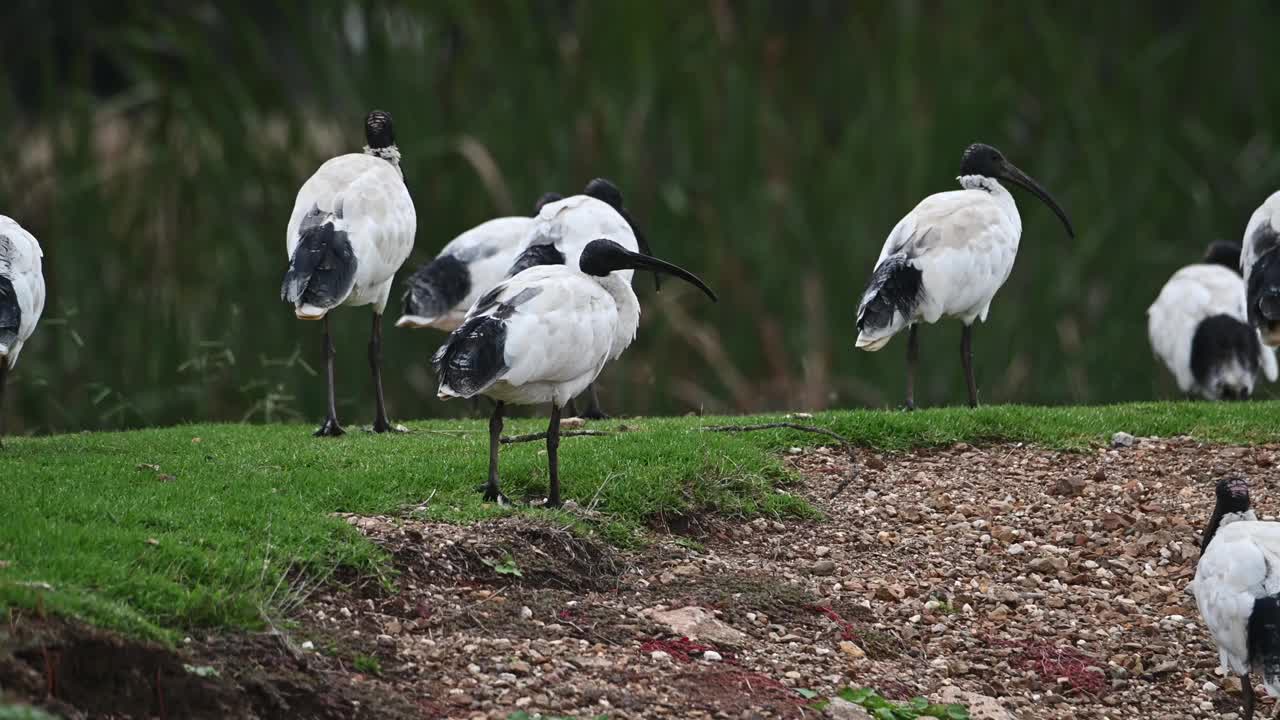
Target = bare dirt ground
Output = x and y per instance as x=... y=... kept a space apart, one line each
x=1050 y=581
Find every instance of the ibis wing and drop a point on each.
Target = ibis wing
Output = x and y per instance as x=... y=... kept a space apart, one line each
x=572 y=223
x=1260 y=235
x=1237 y=569
x=21 y=264
x=365 y=197
x=549 y=324
x=1191 y=295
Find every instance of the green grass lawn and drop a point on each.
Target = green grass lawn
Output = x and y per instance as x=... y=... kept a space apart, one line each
x=89 y=527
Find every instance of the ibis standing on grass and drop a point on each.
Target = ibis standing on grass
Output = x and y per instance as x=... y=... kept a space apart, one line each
x=947 y=258
x=21 y=296
x=1237 y=588
x=1199 y=328
x=441 y=292
x=544 y=336
x=1260 y=265
x=563 y=230
x=351 y=229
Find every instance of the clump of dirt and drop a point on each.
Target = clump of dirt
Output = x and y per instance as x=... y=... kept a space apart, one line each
x=507 y=550
x=78 y=671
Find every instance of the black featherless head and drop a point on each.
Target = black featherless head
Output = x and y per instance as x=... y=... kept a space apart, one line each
x=1233 y=494
x=378 y=131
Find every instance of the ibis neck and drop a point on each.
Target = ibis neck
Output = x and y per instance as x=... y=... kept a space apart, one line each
x=1220 y=520
x=390 y=153
x=997 y=192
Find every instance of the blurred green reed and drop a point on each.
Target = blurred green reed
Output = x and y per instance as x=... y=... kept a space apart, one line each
x=155 y=149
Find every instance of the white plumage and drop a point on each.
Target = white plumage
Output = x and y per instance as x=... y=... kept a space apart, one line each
x=543 y=336
x=562 y=326
x=1260 y=266
x=351 y=228
x=1228 y=363
x=440 y=293
x=365 y=197
x=1236 y=588
x=22 y=271
x=963 y=242
x=21 y=295
x=947 y=258
x=484 y=253
x=577 y=220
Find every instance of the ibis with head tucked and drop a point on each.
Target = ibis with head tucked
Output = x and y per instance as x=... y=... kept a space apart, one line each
x=440 y=292
x=352 y=227
x=562 y=230
x=1237 y=589
x=1260 y=265
x=21 y=295
x=543 y=336
x=1199 y=329
x=947 y=258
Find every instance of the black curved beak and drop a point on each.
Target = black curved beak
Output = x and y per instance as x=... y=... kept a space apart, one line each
x=1011 y=173
x=638 y=261
x=643 y=243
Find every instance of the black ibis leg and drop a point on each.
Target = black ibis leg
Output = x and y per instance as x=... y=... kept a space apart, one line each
x=966 y=359
x=553 y=456
x=913 y=360
x=491 y=492
x=593 y=405
x=4 y=376
x=380 y=422
x=330 y=428
x=1246 y=689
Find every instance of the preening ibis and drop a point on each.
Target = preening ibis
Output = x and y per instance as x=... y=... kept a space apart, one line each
x=1260 y=265
x=1237 y=588
x=568 y=226
x=21 y=295
x=351 y=229
x=544 y=336
x=441 y=292
x=1199 y=328
x=947 y=258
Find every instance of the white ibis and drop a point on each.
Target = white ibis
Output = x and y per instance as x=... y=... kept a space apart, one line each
x=947 y=258
x=1237 y=588
x=1199 y=328
x=351 y=229
x=563 y=229
x=544 y=336
x=441 y=292
x=1260 y=265
x=21 y=295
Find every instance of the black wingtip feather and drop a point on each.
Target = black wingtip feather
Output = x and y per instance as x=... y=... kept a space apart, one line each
x=322 y=270
x=1264 y=637
x=436 y=287
x=896 y=286
x=10 y=313
x=473 y=357
x=535 y=255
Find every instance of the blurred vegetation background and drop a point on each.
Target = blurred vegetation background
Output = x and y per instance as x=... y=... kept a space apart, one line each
x=155 y=149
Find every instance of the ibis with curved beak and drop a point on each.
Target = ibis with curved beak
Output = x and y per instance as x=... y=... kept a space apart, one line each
x=947 y=258
x=563 y=230
x=1260 y=266
x=21 y=295
x=1199 y=329
x=352 y=228
x=544 y=336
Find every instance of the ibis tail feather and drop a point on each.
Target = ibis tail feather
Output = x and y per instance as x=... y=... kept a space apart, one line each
x=10 y=316
x=889 y=302
x=322 y=270
x=1264 y=641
